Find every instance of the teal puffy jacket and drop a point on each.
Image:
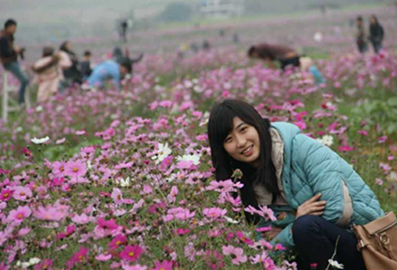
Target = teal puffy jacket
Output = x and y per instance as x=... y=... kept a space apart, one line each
x=311 y=168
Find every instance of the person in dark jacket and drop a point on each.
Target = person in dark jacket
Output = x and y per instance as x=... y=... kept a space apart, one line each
x=72 y=75
x=9 y=56
x=274 y=52
x=376 y=33
x=361 y=36
x=85 y=65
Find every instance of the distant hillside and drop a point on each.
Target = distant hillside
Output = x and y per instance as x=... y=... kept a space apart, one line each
x=55 y=20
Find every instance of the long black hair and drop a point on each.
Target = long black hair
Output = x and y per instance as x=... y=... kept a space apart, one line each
x=219 y=126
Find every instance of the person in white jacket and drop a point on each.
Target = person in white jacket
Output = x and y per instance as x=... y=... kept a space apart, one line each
x=49 y=73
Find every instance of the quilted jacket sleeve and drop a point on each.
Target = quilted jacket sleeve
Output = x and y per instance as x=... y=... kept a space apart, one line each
x=319 y=167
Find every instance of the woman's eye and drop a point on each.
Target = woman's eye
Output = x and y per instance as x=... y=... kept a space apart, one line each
x=243 y=129
x=228 y=140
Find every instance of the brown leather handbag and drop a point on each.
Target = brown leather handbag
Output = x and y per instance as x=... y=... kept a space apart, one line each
x=377 y=242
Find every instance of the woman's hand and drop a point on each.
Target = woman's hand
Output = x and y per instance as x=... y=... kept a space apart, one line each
x=269 y=235
x=311 y=207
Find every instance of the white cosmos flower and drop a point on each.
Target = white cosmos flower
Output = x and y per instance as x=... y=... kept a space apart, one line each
x=33 y=261
x=125 y=183
x=40 y=141
x=230 y=220
x=193 y=158
x=162 y=152
x=327 y=140
x=335 y=264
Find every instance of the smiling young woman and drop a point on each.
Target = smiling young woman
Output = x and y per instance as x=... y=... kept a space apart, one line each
x=290 y=172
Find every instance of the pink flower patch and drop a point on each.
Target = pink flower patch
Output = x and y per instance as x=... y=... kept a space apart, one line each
x=19 y=215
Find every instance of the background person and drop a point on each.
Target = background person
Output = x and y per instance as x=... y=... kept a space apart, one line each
x=109 y=70
x=273 y=52
x=361 y=35
x=49 y=73
x=376 y=33
x=72 y=74
x=85 y=65
x=9 y=56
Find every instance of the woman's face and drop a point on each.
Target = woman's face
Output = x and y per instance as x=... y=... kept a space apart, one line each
x=372 y=20
x=243 y=143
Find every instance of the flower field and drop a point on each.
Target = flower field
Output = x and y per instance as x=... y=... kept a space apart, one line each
x=123 y=179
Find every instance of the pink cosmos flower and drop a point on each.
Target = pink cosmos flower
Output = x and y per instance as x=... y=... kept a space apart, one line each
x=134 y=267
x=345 y=148
x=58 y=168
x=164 y=265
x=263 y=211
x=362 y=132
x=103 y=257
x=190 y=251
x=131 y=253
x=5 y=194
x=236 y=253
x=117 y=196
x=19 y=215
x=45 y=264
x=75 y=169
x=172 y=196
x=382 y=139
x=82 y=219
x=178 y=213
x=214 y=260
x=22 y=193
x=214 y=212
x=379 y=181
x=52 y=213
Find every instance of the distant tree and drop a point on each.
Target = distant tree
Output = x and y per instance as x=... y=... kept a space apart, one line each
x=176 y=12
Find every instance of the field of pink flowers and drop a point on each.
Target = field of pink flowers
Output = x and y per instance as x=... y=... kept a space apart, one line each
x=123 y=179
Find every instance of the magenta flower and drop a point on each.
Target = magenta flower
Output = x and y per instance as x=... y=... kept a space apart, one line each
x=164 y=265
x=22 y=193
x=236 y=253
x=131 y=253
x=78 y=257
x=5 y=194
x=214 y=212
x=19 y=215
x=107 y=224
x=117 y=242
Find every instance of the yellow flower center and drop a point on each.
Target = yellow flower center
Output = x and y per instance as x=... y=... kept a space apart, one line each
x=81 y=257
x=75 y=169
x=61 y=168
x=118 y=243
x=23 y=193
x=131 y=254
x=20 y=216
x=6 y=195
